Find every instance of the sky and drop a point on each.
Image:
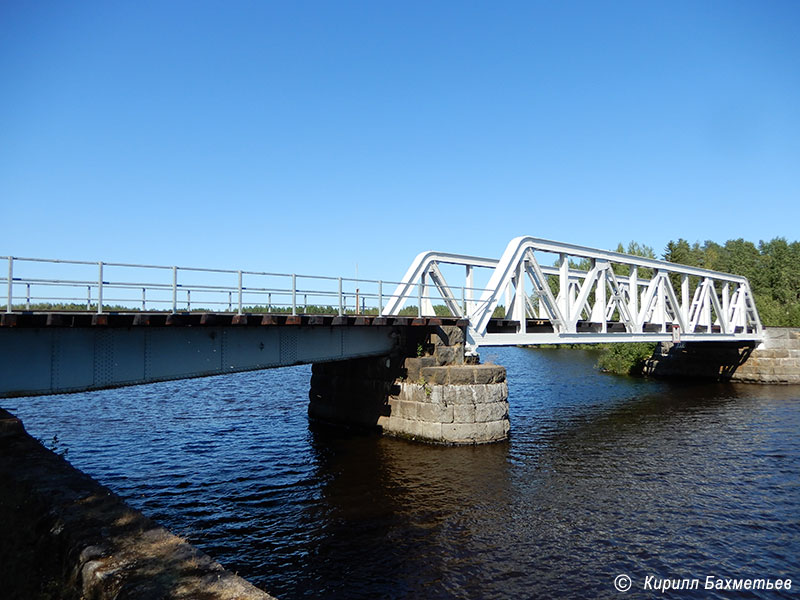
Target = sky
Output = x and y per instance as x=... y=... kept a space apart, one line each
x=334 y=137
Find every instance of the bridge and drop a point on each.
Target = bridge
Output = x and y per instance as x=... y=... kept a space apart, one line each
x=74 y=325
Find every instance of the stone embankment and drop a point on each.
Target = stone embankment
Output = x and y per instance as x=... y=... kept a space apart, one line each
x=776 y=361
x=434 y=397
x=67 y=537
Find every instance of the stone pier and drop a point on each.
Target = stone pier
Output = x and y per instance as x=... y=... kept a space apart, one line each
x=775 y=361
x=424 y=391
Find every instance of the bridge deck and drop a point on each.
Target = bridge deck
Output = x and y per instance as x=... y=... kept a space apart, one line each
x=54 y=352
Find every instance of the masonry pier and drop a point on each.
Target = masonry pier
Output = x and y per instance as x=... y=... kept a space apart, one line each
x=426 y=390
x=775 y=361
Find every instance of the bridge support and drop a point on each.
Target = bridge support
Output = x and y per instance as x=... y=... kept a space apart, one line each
x=775 y=361
x=424 y=391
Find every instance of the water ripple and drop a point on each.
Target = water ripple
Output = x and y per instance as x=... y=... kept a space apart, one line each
x=603 y=475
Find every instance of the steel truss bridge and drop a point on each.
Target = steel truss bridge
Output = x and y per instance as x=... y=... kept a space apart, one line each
x=617 y=298
x=547 y=293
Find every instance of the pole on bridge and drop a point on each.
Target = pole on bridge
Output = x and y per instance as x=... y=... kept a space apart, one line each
x=100 y=288
x=174 y=289
x=10 y=283
x=240 y=294
x=294 y=294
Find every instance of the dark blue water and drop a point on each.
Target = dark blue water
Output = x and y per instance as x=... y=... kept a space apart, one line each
x=602 y=476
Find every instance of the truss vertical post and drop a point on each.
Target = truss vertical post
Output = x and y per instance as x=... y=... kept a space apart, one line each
x=600 y=296
x=563 y=287
x=420 y=294
x=662 y=300
x=519 y=298
x=633 y=293
x=726 y=304
x=470 y=284
x=685 y=298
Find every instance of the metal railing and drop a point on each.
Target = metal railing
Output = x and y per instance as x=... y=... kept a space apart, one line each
x=71 y=285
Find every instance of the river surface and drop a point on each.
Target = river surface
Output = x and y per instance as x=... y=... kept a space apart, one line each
x=602 y=476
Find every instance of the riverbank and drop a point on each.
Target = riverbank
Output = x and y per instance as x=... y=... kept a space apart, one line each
x=67 y=537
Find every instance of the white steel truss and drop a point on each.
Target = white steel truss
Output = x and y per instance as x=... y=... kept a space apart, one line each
x=653 y=300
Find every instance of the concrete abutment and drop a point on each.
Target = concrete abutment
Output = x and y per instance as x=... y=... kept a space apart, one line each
x=775 y=361
x=426 y=390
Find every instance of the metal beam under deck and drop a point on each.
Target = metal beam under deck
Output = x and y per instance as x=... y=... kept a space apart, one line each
x=531 y=339
x=58 y=353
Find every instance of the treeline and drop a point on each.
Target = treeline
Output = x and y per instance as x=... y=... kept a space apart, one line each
x=773 y=269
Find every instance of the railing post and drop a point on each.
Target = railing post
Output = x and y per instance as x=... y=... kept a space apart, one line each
x=28 y=296
x=294 y=294
x=100 y=288
x=174 y=289
x=189 y=300
x=88 y=298
x=380 y=298
x=10 y=283
x=240 y=293
x=144 y=299
x=341 y=307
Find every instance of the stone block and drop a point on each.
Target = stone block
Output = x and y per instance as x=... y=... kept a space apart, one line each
x=458 y=394
x=772 y=334
x=475 y=433
x=463 y=413
x=461 y=433
x=435 y=375
x=415 y=429
x=489 y=374
x=447 y=335
x=497 y=430
x=415 y=392
x=414 y=364
x=437 y=395
x=449 y=355
x=491 y=411
x=461 y=375
x=434 y=413
x=490 y=392
x=404 y=409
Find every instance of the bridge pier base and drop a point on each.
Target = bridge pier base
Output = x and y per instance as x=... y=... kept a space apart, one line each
x=425 y=391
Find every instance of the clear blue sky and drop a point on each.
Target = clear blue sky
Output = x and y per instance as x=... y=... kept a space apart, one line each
x=312 y=136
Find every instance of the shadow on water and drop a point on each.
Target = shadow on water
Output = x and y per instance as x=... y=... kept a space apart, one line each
x=413 y=509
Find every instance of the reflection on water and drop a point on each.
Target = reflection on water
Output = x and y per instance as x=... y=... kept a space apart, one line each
x=603 y=475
